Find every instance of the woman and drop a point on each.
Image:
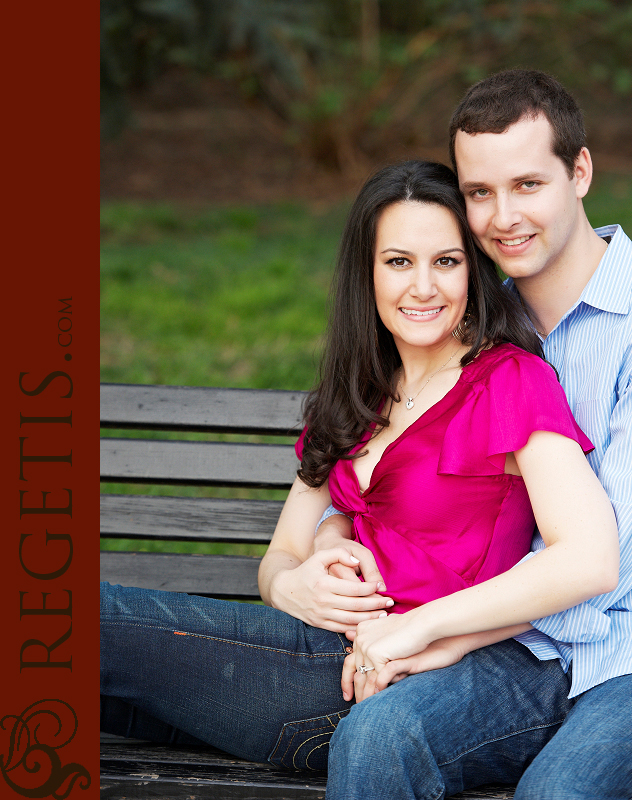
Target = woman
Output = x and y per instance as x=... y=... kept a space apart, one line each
x=432 y=426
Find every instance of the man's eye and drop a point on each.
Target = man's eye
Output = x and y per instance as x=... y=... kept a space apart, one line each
x=480 y=192
x=529 y=184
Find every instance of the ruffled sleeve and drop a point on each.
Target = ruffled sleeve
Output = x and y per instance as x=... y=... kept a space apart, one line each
x=518 y=394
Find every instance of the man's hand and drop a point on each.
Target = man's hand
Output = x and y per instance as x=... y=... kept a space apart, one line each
x=311 y=594
x=337 y=531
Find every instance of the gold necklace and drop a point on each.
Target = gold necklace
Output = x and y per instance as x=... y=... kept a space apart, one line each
x=410 y=401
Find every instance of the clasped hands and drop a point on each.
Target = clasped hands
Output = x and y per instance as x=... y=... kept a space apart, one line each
x=326 y=591
x=397 y=647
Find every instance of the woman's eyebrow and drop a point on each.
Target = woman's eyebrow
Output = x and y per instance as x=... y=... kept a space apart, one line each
x=410 y=253
x=450 y=250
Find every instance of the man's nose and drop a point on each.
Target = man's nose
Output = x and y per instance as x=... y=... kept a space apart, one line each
x=506 y=213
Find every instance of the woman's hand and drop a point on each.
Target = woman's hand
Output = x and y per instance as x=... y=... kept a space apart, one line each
x=310 y=593
x=439 y=654
x=376 y=644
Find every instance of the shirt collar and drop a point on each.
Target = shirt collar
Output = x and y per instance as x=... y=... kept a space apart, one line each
x=613 y=271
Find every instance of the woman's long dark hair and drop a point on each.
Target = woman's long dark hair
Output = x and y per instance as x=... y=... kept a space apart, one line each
x=360 y=355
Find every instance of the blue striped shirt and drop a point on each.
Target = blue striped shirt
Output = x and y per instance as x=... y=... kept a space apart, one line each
x=591 y=348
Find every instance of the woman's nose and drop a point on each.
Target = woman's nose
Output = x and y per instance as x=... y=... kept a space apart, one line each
x=422 y=283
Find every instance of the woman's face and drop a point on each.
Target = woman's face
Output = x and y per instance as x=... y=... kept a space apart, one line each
x=420 y=274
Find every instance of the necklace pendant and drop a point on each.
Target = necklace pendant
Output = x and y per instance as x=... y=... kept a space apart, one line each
x=410 y=403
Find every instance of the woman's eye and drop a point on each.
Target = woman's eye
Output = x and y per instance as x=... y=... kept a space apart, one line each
x=446 y=261
x=398 y=262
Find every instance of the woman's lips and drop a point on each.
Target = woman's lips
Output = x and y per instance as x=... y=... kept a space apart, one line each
x=421 y=313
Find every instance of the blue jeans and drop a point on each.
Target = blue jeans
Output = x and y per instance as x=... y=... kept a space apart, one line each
x=247 y=679
x=487 y=719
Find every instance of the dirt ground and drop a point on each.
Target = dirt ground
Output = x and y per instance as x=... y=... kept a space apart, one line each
x=200 y=142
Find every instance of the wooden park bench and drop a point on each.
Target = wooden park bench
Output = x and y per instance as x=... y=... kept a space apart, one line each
x=136 y=769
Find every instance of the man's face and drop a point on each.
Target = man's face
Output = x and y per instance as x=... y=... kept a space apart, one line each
x=521 y=205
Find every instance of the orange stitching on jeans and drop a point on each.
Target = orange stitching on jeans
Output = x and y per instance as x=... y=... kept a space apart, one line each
x=260 y=646
x=219 y=639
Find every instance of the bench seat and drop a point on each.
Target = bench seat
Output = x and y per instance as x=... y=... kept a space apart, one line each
x=135 y=769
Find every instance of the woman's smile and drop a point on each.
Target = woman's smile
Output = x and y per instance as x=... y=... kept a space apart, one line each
x=421 y=314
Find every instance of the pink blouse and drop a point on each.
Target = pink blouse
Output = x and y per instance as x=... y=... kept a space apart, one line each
x=440 y=514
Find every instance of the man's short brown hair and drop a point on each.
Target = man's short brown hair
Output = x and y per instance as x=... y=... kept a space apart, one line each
x=495 y=103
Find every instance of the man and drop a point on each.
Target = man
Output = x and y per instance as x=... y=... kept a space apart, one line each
x=518 y=144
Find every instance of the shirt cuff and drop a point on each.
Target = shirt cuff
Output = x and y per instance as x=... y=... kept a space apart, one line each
x=582 y=623
x=329 y=512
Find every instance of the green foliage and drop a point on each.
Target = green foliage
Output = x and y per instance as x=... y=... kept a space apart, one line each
x=353 y=77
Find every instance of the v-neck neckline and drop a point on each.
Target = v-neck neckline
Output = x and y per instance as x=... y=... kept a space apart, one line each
x=424 y=418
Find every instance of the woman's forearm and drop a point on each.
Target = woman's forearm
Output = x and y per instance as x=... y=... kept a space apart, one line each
x=552 y=581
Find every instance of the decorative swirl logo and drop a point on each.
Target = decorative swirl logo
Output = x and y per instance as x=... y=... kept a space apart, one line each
x=32 y=767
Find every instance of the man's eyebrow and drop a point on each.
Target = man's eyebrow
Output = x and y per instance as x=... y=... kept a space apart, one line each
x=470 y=186
x=531 y=176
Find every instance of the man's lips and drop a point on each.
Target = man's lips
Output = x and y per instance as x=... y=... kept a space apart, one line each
x=515 y=244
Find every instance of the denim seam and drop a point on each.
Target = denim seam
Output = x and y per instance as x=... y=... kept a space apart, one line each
x=227 y=641
x=499 y=739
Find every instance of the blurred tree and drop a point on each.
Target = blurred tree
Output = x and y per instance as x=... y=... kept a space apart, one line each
x=255 y=42
x=350 y=77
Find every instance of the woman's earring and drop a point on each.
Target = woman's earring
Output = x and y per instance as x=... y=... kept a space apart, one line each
x=460 y=330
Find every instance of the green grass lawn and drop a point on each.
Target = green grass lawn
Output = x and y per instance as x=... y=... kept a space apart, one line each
x=233 y=297
x=230 y=297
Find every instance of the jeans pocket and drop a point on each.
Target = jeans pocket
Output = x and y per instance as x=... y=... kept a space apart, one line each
x=304 y=744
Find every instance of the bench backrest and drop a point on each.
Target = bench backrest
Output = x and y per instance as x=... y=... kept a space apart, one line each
x=157 y=462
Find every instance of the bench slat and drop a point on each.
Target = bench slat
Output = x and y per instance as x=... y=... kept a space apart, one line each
x=189 y=408
x=204 y=519
x=137 y=769
x=219 y=576
x=271 y=466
